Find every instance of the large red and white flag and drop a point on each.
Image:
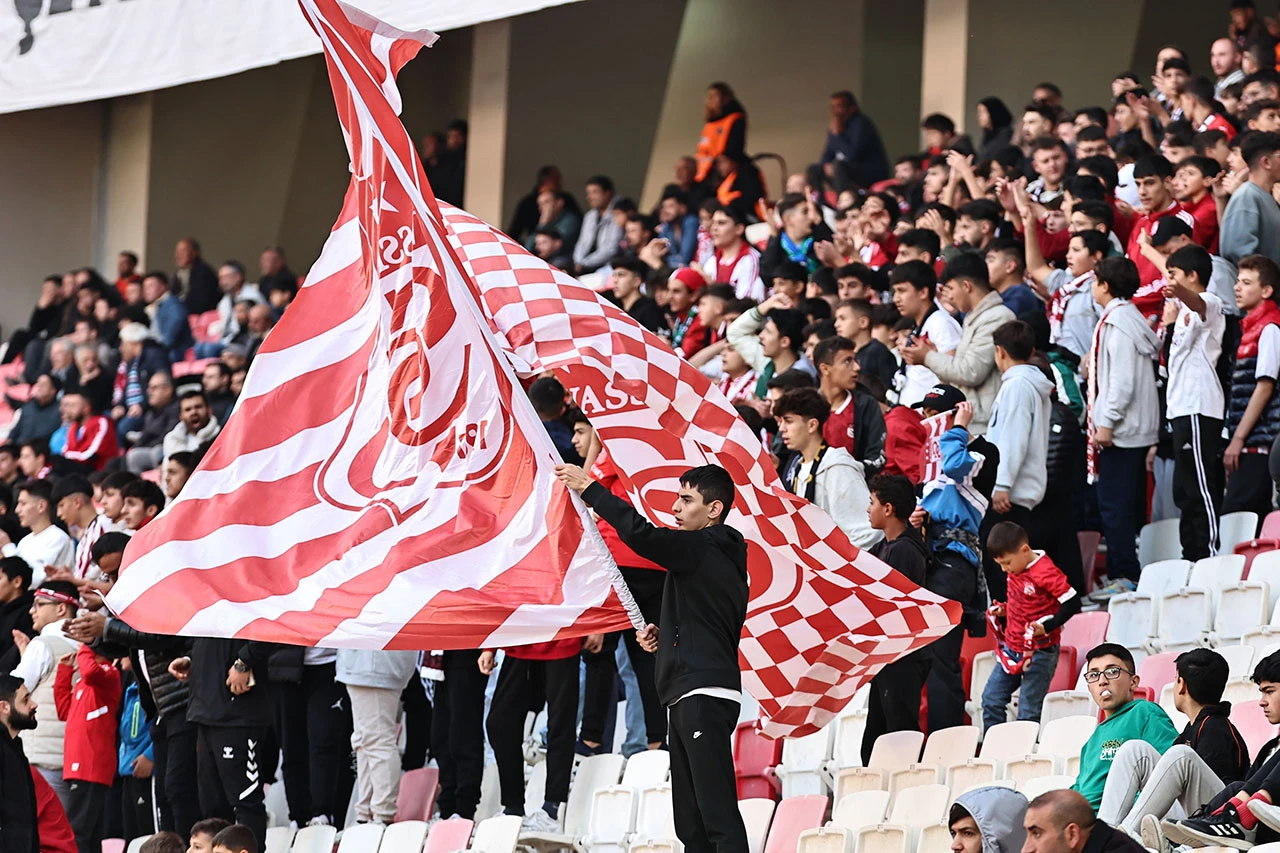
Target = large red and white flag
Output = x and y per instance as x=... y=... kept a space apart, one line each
x=384 y=481
x=823 y=617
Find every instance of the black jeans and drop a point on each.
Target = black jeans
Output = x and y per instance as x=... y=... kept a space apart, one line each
x=524 y=686
x=1197 y=483
x=174 y=743
x=457 y=733
x=313 y=721
x=417 y=725
x=704 y=794
x=1250 y=487
x=1122 y=500
x=602 y=668
x=894 y=704
x=954 y=577
x=86 y=802
x=230 y=776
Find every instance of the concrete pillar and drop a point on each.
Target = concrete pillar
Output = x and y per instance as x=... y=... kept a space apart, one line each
x=945 y=65
x=487 y=120
x=124 y=187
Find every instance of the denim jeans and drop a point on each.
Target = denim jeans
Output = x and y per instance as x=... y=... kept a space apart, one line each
x=1035 y=684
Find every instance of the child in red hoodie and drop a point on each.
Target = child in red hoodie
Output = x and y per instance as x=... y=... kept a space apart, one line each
x=531 y=675
x=89 y=759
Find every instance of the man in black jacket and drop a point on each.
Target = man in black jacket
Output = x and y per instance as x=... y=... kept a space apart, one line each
x=15 y=608
x=704 y=604
x=18 y=818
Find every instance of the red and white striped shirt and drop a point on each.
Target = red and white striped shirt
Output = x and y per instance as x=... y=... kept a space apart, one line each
x=84 y=547
x=743 y=272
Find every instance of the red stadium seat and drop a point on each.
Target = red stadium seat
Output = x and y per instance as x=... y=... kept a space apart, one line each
x=1270 y=526
x=794 y=816
x=1252 y=723
x=1089 y=541
x=417 y=794
x=1253 y=548
x=754 y=757
x=1064 y=677
x=1085 y=630
x=449 y=835
x=1156 y=671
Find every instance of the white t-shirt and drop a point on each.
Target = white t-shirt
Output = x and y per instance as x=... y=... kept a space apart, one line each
x=1268 y=366
x=1194 y=387
x=50 y=547
x=942 y=330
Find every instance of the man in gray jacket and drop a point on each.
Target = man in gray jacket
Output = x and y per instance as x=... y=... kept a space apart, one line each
x=374 y=680
x=1019 y=424
x=1124 y=416
x=1251 y=222
x=972 y=367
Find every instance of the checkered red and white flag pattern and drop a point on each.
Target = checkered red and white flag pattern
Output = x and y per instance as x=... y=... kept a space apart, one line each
x=384 y=480
x=934 y=427
x=823 y=616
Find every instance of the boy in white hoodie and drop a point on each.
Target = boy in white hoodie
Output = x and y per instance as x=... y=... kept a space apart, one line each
x=824 y=475
x=1124 y=416
x=1020 y=421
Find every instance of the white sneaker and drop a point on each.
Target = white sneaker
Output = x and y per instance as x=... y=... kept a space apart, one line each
x=319 y=820
x=1153 y=835
x=540 y=822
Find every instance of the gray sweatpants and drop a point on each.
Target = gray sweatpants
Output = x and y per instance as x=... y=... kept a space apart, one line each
x=1178 y=776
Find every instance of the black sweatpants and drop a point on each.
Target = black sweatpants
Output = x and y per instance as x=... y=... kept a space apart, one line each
x=704 y=793
x=313 y=721
x=954 y=577
x=1250 y=487
x=602 y=667
x=524 y=686
x=457 y=733
x=894 y=704
x=417 y=724
x=228 y=775
x=1197 y=483
x=86 y=803
x=137 y=806
x=173 y=741
x=1122 y=502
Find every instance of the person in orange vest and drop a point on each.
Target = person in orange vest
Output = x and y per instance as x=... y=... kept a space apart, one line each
x=724 y=134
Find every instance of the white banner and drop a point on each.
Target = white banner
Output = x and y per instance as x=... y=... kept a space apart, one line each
x=64 y=51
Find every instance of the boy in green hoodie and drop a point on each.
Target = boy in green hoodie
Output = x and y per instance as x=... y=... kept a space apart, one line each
x=1112 y=678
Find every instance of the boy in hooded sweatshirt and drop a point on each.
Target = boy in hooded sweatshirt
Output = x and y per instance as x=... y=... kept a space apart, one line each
x=89 y=766
x=988 y=820
x=1124 y=415
x=1020 y=421
x=824 y=475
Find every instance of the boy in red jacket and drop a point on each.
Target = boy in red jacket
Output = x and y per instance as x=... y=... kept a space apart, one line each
x=89 y=760
x=529 y=675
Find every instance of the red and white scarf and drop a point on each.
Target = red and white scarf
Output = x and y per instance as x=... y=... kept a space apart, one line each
x=1058 y=302
x=1091 y=455
x=734 y=389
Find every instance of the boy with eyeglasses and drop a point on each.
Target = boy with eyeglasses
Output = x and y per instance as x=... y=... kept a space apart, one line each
x=1112 y=678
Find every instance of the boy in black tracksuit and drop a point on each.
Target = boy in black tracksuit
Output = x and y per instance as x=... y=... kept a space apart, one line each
x=704 y=604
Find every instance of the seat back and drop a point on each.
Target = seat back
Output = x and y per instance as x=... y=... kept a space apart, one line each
x=1010 y=740
x=975 y=771
x=595 y=773
x=1065 y=737
x=883 y=839
x=647 y=768
x=915 y=776
x=1064 y=674
x=936 y=837
x=1266 y=567
x=850 y=780
x=754 y=757
x=1028 y=767
x=846 y=747
x=535 y=788
x=364 y=837
x=949 y=745
x=280 y=839
x=1085 y=630
x=1133 y=619
x=925 y=805
x=984 y=663
x=315 y=839
x=757 y=815
x=1156 y=671
x=1252 y=723
x=825 y=839
x=113 y=845
x=1164 y=575
x=1240 y=606
x=1264 y=640
x=1089 y=541
x=494 y=835
x=135 y=846
x=1033 y=788
x=896 y=750
x=446 y=836
x=653 y=845
x=865 y=808
x=417 y=794
x=612 y=815
x=1251 y=549
x=1270 y=526
x=1159 y=540
x=793 y=816
x=1185 y=616
x=1234 y=528
x=655 y=817
x=1067 y=703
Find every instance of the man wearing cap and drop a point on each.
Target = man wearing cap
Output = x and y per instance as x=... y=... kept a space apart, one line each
x=140 y=358
x=54 y=603
x=40 y=416
x=988 y=820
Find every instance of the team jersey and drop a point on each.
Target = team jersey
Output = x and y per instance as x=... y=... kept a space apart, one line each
x=1034 y=595
x=838 y=429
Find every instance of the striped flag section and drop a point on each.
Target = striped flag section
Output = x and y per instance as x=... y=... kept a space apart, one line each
x=384 y=481
x=337 y=552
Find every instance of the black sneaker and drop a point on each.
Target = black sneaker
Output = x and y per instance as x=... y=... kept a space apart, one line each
x=1217 y=830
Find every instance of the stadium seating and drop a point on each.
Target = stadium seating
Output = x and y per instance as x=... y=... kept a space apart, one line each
x=1155 y=671
x=364 y=837
x=801 y=769
x=754 y=760
x=947 y=746
x=1234 y=528
x=1030 y=766
x=595 y=772
x=1085 y=630
x=113 y=845
x=1253 y=725
x=280 y=839
x=1033 y=788
x=1270 y=526
x=1089 y=542
x=1159 y=540
x=1252 y=549
x=315 y=839
x=417 y=794
x=825 y=839
x=494 y=835
x=864 y=808
x=648 y=768
x=971 y=772
x=135 y=846
x=1010 y=740
x=1064 y=737
x=794 y=816
x=655 y=817
x=984 y=663
x=757 y=815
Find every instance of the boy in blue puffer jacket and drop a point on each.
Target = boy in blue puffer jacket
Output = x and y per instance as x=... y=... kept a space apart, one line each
x=136 y=761
x=954 y=501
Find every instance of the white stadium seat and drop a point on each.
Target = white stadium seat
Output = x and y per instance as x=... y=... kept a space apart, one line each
x=1159 y=541
x=1010 y=740
x=1234 y=528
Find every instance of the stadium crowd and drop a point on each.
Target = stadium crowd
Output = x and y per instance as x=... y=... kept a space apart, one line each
x=1086 y=299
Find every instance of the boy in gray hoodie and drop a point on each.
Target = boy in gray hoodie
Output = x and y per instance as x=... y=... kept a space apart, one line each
x=1020 y=423
x=988 y=820
x=1124 y=415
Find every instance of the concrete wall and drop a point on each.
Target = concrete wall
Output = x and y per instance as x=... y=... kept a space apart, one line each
x=48 y=200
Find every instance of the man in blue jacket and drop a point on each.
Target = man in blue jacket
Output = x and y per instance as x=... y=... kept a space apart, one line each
x=169 y=315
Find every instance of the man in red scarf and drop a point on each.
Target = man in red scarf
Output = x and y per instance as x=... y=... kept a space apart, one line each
x=1253 y=407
